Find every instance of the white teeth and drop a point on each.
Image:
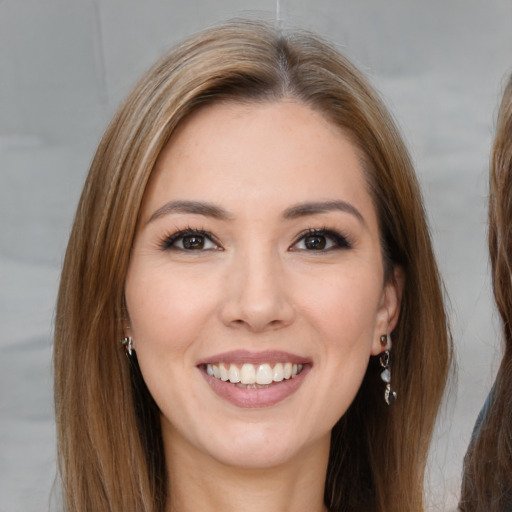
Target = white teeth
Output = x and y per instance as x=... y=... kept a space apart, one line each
x=223 y=372
x=251 y=376
x=248 y=374
x=234 y=374
x=278 y=374
x=264 y=374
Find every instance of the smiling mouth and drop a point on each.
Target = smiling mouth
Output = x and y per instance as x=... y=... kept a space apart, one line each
x=251 y=376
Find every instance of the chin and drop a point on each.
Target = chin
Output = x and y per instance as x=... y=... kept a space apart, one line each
x=256 y=456
x=259 y=447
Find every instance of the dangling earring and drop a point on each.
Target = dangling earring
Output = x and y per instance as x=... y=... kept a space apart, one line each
x=128 y=345
x=385 y=360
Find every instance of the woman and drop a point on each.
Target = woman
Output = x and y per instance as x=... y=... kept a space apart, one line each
x=487 y=481
x=252 y=230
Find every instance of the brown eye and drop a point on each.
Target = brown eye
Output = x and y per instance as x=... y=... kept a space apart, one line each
x=190 y=240
x=315 y=242
x=193 y=242
x=320 y=240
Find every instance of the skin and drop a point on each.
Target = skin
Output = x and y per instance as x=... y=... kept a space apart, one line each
x=256 y=285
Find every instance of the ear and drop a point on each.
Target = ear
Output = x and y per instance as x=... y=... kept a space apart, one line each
x=127 y=330
x=125 y=319
x=389 y=308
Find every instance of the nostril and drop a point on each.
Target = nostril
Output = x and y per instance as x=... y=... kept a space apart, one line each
x=237 y=323
x=254 y=326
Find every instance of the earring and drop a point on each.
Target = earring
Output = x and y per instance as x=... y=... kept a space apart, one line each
x=385 y=360
x=128 y=345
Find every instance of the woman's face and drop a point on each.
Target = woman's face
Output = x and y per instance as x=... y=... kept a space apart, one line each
x=256 y=288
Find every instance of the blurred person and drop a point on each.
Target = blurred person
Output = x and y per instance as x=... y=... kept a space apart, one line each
x=487 y=478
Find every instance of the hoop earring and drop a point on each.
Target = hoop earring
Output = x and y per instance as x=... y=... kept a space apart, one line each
x=128 y=345
x=385 y=361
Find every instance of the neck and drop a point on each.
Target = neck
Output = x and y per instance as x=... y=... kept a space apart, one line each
x=198 y=482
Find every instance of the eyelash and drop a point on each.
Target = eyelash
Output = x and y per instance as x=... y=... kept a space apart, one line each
x=341 y=242
x=169 y=241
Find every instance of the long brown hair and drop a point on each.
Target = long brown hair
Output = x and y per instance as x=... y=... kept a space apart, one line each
x=110 y=447
x=487 y=480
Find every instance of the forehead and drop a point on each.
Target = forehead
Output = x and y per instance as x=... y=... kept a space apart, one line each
x=272 y=152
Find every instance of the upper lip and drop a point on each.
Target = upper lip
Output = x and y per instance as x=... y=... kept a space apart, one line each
x=246 y=356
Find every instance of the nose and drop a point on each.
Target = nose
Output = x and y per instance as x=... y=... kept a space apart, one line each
x=256 y=296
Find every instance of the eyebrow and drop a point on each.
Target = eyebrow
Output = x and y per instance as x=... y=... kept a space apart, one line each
x=217 y=212
x=194 y=207
x=304 y=209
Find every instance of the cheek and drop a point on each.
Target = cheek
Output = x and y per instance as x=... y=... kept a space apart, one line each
x=343 y=306
x=169 y=312
x=342 y=311
x=167 y=309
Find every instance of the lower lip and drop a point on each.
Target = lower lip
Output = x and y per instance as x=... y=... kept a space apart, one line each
x=255 y=397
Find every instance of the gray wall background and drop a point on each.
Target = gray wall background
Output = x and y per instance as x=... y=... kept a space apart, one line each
x=65 y=66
